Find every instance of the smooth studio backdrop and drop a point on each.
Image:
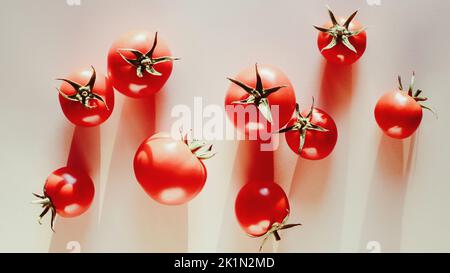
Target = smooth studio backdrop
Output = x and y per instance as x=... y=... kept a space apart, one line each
x=372 y=193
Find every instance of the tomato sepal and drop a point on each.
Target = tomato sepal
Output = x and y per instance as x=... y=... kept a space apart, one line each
x=201 y=149
x=84 y=93
x=145 y=62
x=45 y=202
x=340 y=32
x=258 y=95
x=415 y=95
x=274 y=230
x=303 y=124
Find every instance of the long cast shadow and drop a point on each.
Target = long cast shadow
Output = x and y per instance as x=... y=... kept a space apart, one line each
x=337 y=88
x=251 y=165
x=384 y=211
x=131 y=221
x=311 y=177
x=84 y=155
x=317 y=193
x=317 y=198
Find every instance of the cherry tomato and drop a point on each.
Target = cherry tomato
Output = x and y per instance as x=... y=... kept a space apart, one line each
x=343 y=40
x=311 y=133
x=68 y=192
x=399 y=113
x=86 y=98
x=171 y=171
x=139 y=64
x=262 y=209
x=260 y=205
x=257 y=90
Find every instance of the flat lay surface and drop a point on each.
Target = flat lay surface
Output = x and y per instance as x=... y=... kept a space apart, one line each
x=373 y=193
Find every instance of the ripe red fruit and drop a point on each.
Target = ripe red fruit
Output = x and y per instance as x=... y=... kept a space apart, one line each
x=67 y=192
x=311 y=133
x=171 y=171
x=262 y=209
x=139 y=64
x=343 y=40
x=256 y=90
x=399 y=113
x=86 y=98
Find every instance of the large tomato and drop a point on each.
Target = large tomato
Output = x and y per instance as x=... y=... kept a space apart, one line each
x=399 y=112
x=68 y=192
x=311 y=133
x=262 y=209
x=86 y=98
x=171 y=171
x=251 y=98
x=343 y=40
x=139 y=64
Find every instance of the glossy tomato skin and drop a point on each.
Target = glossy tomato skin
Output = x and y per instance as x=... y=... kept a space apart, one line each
x=71 y=191
x=340 y=54
x=123 y=75
x=259 y=205
x=318 y=145
x=76 y=112
x=398 y=114
x=168 y=171
x=284 y=99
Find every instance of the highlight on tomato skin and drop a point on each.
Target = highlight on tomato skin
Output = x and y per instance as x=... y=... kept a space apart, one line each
x=139 y=63
x=86 y=97
x=399 y=112
x=170 y=170
x=259 y=100
x=68 y=192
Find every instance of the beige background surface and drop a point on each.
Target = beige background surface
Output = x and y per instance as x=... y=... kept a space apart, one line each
x=372 y=191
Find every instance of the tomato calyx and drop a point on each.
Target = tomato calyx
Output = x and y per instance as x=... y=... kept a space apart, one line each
x=340 y=32
x=84 y=93
x=145 y=62
x=258 y=95
x=415 y=94
x=303 y=124
x=47 y=206
x=274 y=230
x=199 y=148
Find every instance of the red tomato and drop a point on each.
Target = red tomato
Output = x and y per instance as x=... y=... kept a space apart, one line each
x=260 y=205
x=343 y=40
x=139 y=64
x=86 y=98
x=258 y=92
x=67 y=192
x=262 y=209
x=312 y=134
x=399 y=113
x=171 y=171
